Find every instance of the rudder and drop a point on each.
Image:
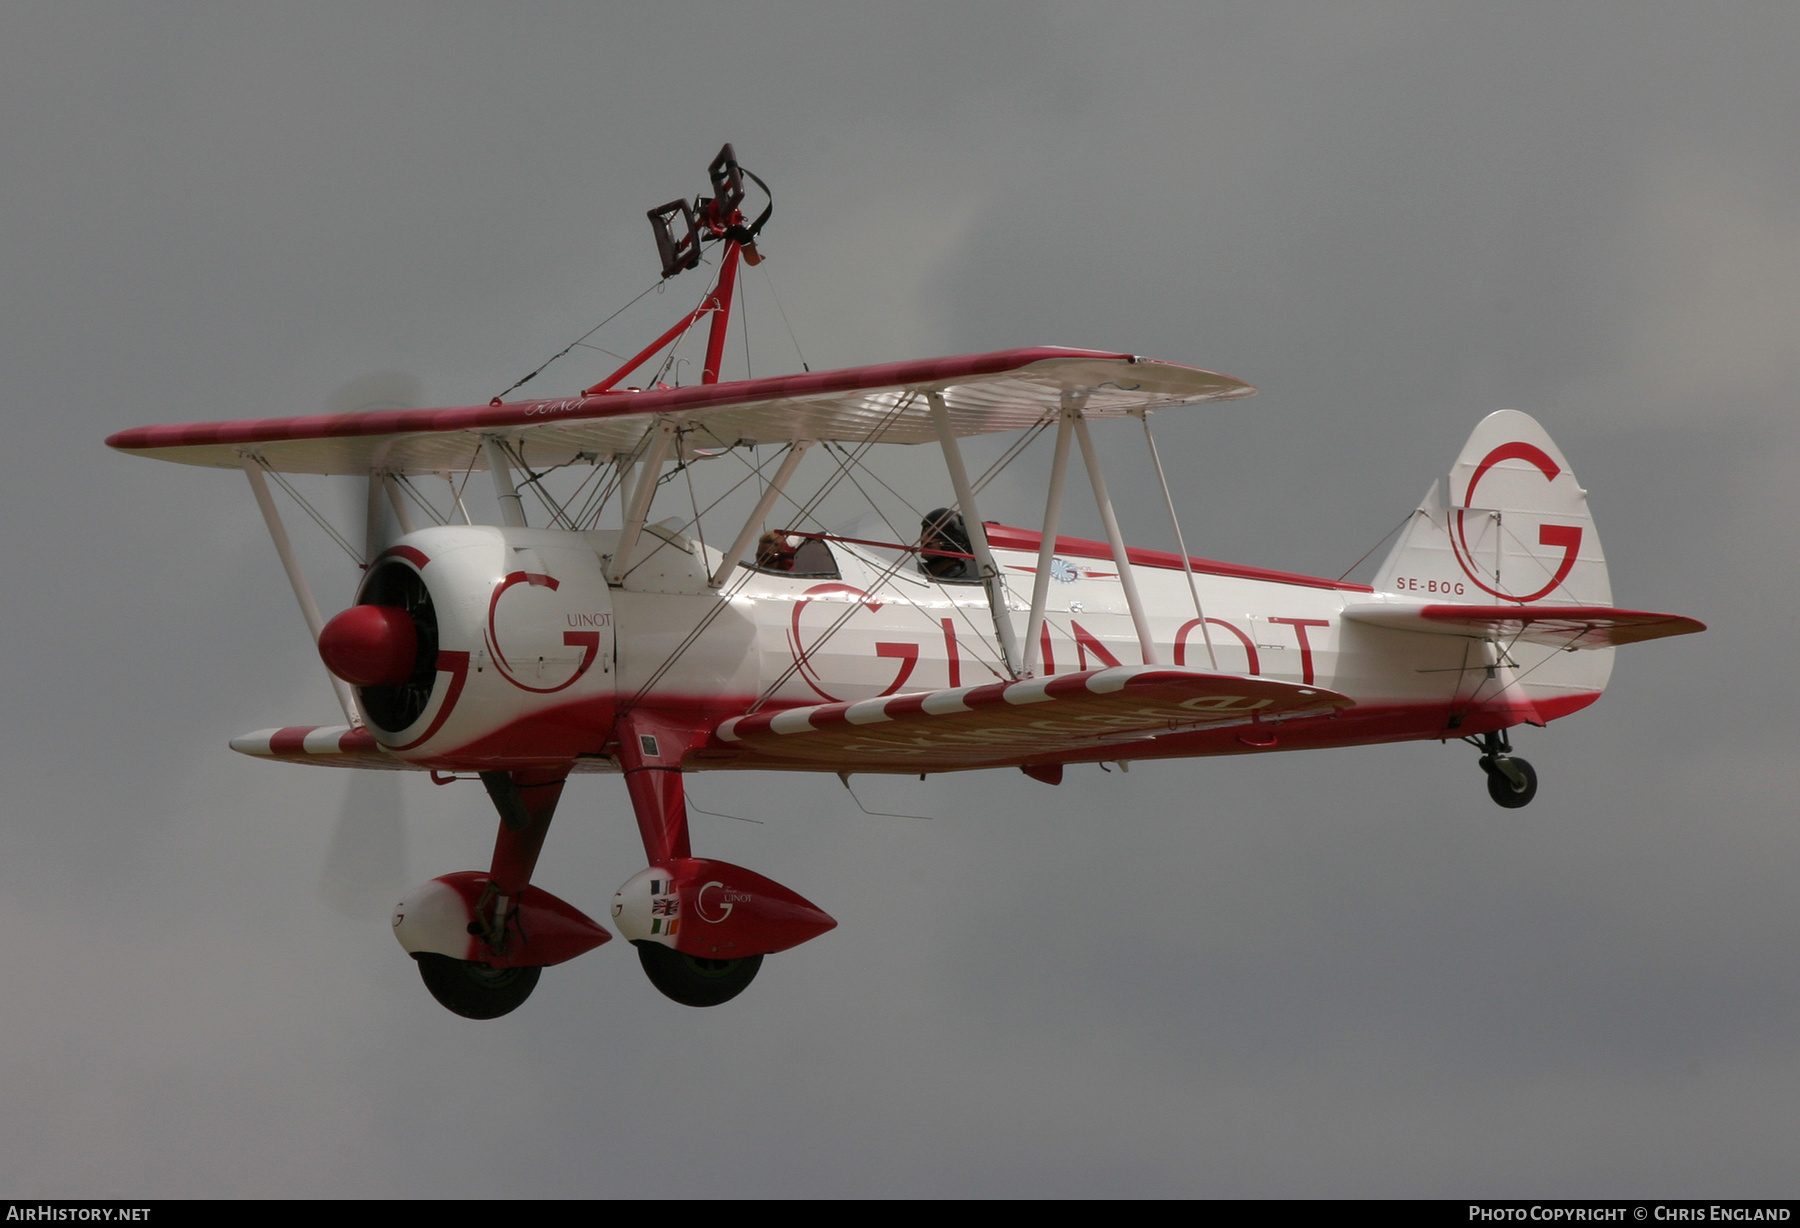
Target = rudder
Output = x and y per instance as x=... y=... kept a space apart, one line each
x=1515 y=526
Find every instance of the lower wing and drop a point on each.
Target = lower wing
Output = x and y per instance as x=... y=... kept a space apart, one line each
x=1009 y=722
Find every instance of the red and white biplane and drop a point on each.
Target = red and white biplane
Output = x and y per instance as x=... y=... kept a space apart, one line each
x=526 y=654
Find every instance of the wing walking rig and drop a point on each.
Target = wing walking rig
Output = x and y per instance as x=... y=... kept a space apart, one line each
x=524 y=654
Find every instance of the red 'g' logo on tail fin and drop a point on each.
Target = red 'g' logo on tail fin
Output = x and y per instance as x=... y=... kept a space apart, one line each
x=1567 y=536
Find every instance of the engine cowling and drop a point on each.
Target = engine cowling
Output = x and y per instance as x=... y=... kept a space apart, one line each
x=479 y=647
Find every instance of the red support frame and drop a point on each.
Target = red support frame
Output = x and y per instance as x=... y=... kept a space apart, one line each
x=718 y=303
x=721 y=307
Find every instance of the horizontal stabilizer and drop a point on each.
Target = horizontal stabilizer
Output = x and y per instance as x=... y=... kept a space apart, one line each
x=1004 y=722
x=1559 y=626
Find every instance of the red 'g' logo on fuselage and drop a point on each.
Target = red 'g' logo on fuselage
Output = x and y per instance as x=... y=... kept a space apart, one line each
x=906 y=653
x=1567 y=536
x=587 y=641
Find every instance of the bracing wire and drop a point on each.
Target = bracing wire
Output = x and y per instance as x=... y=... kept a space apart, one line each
x=959 y=611
x=888 y=573
x=784 y=317
x=356 y=556
x=744 y=324
x=535 y=481
x=584 y=336
x=1378 y=545
x=724 y=598
x=717 y=814
x=418 y=498
x=1012 y=453
x=694 y=504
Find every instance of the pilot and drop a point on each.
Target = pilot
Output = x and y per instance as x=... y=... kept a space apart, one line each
x=775 y=552
x=944 y=549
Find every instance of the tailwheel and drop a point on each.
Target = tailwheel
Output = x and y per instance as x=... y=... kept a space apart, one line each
x=691 y=979
x=1511 y=781
x=476 y=991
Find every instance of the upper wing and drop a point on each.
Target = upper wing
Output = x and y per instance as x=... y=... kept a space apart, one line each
x=1006 y=722
x=1003 y=391
x=1560 y=626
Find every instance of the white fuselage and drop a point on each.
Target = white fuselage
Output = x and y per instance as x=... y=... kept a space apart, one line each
x=537 y=652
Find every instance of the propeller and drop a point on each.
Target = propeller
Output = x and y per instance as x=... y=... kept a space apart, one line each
x=365 y=863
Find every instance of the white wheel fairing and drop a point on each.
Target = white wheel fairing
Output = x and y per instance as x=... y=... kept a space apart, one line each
x=647 y=908
x=714 y=910
x=434 y=919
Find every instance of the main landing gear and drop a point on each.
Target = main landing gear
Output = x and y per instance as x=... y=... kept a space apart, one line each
x=701 y=927
x=475 y=991
x=1511 y=781
x=481 y=940
x=692 y=980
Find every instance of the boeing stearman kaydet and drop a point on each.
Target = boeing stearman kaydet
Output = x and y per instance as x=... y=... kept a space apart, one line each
x=583 y=634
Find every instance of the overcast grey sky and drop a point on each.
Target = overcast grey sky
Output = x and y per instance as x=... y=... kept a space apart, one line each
x=1341 y=973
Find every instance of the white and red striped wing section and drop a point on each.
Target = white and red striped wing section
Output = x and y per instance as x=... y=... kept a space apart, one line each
x=327 y=745
x=1559 y=626
x=1007 y=390
x=1008 y=722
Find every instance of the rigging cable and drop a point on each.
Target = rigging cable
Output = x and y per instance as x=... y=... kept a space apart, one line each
x=731 y=590
x=418 y=498
x=958 y=610
x=584 y=336
x=355 y=555
x=1379 y=544
x=784 y=319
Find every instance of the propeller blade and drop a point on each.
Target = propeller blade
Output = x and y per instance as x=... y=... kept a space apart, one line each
x=365 y=865
x=379 y=390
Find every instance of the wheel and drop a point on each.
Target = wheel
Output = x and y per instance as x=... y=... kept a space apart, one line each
x=1501 y=787
x=693 y=981
x=476 y=991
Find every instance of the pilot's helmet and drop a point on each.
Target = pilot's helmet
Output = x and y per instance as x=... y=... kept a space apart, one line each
x=947 y=528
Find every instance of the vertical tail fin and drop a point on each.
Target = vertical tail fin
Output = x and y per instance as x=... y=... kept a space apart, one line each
x=1510 y=524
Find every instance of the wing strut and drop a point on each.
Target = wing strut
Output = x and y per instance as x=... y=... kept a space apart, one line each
x=1127 y=580
x=1040 y=584
x=991 y=578
x=1187 y=564
x=642 y=491
x=512 y=508
x=309 y=609
x=753 y=525
x=397 y=500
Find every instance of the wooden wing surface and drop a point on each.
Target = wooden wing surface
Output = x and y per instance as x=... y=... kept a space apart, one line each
x=1008 y=722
